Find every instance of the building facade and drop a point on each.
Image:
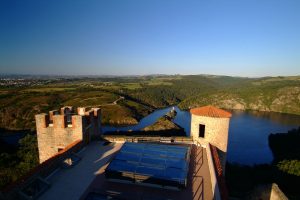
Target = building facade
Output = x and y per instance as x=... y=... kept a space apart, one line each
x=211 y=125
x=58 y=129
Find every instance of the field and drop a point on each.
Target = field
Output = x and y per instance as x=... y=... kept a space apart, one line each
x=18 y=106
x=141 y=94
x=125 y=100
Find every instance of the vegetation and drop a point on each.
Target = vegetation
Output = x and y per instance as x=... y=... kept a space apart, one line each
x=163 y=123
x=265 y=94
x=285 y=169
x=18 y=105
x=17 y=161
x=285 y=145
x=163 y=127
x=290 y=166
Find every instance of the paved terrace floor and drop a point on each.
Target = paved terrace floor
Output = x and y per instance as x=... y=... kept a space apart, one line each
x=198 y=185
x=71 y=183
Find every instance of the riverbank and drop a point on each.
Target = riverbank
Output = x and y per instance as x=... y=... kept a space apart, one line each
x=248 y=132
x=266 y=99
x=18 y=105
x=284 y=169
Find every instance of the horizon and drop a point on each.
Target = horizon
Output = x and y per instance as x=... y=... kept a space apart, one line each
x=132 y=38
x=143 y=75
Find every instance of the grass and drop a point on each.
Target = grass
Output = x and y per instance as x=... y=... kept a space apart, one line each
x=19 y=107
x=117 y=115
x=94 y=98
x=158 y=82
x=48 y=89
x=161 y=81
x=131 y=86
x=3 y=92
x=20 y=104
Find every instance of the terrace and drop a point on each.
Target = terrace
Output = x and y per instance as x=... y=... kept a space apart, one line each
x=70 y=183
x=87 y=179
x=198 y=184
x=177 y=170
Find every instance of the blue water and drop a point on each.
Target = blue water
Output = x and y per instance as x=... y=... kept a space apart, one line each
x=183 y=119
x=248 y=132
x=12 y=138
x=248 y=135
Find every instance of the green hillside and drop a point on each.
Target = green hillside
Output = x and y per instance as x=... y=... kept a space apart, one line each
x=142 y=94
x=280 y=94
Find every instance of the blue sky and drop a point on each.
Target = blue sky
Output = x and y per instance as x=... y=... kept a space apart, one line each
x=127 y=37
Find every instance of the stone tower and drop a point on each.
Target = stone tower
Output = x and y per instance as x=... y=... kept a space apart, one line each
x=210 y=125
x=59 y=128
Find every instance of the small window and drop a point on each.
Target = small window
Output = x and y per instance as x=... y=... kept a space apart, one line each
x=201 y=130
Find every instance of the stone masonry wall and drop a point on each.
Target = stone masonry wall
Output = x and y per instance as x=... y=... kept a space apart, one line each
x=216 y=133
x=55 y=131
x=58 y=135
x=216 y=130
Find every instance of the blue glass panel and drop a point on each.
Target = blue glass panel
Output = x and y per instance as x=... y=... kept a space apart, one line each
x=121 y=166
x=128 y=157
x=153 y=161
x=154 y=172
x=174 y=173
x=167 y=162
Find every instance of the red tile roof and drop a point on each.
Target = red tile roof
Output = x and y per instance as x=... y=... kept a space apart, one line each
x=210 y=111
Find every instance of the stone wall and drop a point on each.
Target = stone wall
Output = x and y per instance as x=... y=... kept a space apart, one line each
x=216 y=133
x=213 y=175
x=276 y=193
x=216 y=130
x=267 y=192
x=58 y=135
x=122 y=139
x=219 y=171
x=57 y=130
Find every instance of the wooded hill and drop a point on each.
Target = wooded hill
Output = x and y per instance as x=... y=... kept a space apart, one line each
x=278 y=94
x=145 y=93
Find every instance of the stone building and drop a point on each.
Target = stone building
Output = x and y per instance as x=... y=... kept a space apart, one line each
x=210 y=125
x=58 y=129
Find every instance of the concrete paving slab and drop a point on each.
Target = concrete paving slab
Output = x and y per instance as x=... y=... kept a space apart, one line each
x=71 y=183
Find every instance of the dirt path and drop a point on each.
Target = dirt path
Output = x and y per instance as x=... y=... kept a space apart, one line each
x=113 y=103
x=116 y=101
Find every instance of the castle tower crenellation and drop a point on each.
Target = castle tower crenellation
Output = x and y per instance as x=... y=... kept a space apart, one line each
x=59 y=121
x=66 y=110
x=77 y=122
x=81 y=111
x=97 y=111
x=51 y=113
x=58 y=129
x=43 y=120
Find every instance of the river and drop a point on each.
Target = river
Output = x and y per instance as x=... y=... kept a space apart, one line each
x=248 y=132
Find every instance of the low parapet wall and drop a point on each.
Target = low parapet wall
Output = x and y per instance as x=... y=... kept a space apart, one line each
x=122 y=138
x=213 y=176
x=42 y=170
x=217 y=166
x=276 y=193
